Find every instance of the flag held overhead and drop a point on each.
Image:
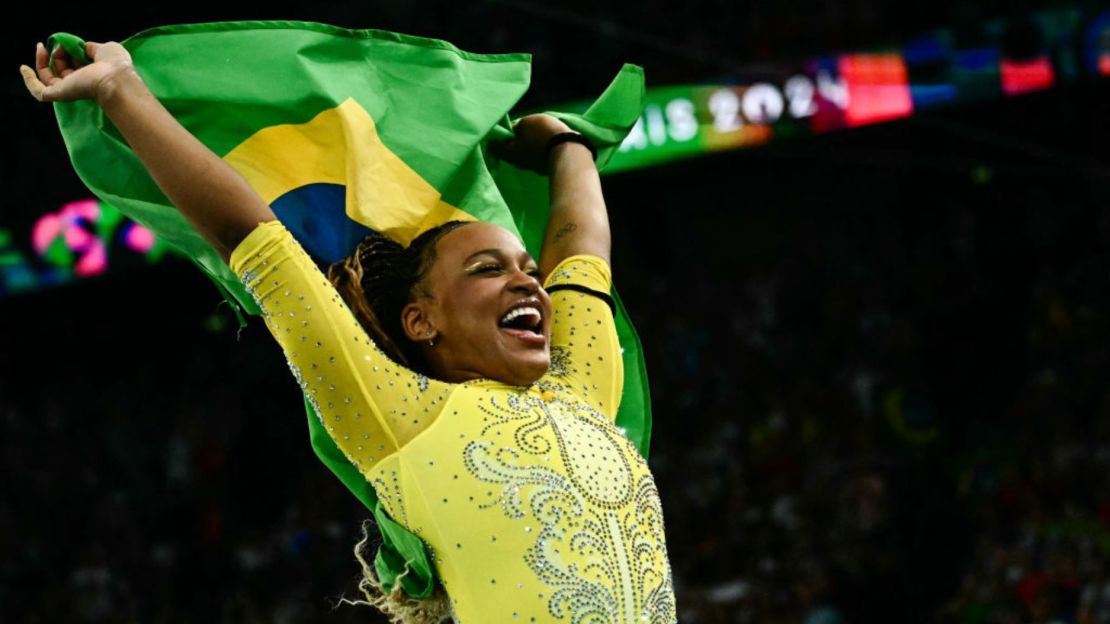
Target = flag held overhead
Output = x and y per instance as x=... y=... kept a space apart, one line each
x=342 y=131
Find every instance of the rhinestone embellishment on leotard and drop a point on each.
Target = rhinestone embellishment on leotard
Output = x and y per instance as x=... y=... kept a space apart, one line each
x=604 y=507
x=585 y=529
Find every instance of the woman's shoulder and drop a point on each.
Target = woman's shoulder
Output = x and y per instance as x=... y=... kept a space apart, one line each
x=581 y=268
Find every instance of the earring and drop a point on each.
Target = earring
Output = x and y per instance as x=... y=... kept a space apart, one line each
x=432 y=341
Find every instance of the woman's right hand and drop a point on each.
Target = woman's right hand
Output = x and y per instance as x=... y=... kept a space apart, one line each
x=526 y=148
x=75 y=81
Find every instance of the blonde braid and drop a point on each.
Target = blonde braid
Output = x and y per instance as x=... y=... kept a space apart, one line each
x=396 y=605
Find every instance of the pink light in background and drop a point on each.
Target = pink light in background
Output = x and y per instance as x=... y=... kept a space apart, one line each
x=94 y=260
x=44 y=232
x=66 y=223
x=138 y=238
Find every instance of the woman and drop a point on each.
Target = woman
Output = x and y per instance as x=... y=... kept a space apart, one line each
x=479 y=406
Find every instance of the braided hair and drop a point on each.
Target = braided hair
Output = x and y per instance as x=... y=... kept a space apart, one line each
x=379 y=279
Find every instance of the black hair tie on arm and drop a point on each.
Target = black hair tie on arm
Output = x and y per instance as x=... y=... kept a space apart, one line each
x=588 y=291
x=572 y=137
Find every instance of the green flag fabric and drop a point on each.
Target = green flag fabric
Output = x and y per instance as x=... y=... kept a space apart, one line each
x=343 y=131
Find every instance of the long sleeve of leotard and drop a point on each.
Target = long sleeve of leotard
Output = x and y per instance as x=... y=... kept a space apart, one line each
x=583 y=331
x=369 y=404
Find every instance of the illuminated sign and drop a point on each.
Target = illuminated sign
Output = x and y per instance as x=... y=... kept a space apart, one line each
x=829 y=93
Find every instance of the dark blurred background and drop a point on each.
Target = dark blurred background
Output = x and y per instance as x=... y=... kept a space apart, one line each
x=878 y=357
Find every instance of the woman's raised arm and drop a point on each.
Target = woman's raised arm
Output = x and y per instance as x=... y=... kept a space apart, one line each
x=211 y=195
x=579 y=223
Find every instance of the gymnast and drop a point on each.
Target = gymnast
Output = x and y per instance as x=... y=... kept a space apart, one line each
x=474 y=387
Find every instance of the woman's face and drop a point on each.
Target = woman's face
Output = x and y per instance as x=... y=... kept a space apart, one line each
x=487 y=309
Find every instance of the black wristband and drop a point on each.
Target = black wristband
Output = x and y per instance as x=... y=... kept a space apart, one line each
x=572 y=137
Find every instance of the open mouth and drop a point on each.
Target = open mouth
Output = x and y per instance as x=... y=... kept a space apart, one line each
x=524 y=321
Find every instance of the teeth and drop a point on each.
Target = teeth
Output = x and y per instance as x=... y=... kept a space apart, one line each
x=521 y=312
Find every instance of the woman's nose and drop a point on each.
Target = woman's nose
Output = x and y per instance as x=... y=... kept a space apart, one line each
x=523 y=282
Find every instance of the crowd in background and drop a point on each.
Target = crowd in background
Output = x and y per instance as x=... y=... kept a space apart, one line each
x=900 y=397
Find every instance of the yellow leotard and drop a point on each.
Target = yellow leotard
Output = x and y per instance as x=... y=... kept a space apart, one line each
x=534 y=505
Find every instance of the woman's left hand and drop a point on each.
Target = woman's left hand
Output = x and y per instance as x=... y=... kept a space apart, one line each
x=75 y=80
x=527 y=149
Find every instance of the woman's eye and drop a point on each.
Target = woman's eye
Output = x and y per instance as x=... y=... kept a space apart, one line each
x=487 y=268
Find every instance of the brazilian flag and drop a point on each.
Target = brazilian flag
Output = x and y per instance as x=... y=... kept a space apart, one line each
x=343 y=131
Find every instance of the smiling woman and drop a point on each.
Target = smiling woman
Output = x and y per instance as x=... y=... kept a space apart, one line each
x=532 y=502
x=478 y=406
x=482 y=274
